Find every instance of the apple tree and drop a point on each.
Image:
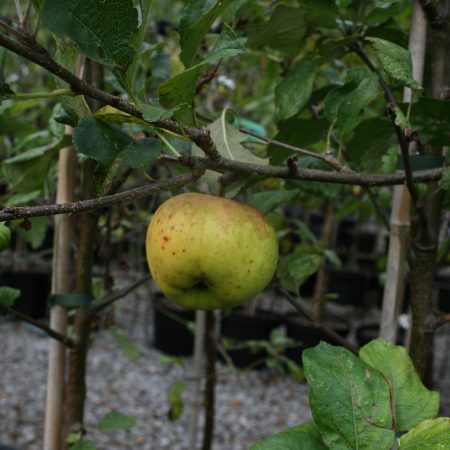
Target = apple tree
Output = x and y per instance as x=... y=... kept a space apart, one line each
x=295 y=102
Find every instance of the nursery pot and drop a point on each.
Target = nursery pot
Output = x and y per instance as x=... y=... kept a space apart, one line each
x=34 y=288
x=241 y=327
x=171 y=334
x=306 y=335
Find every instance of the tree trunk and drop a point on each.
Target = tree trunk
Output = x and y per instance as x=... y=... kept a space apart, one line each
x=426 y=241
x=400 y=216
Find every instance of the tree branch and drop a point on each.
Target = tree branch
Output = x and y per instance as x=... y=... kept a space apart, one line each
x=65 y=340
x=34 y=52
x=102 y=304
x=14 y=212
x=318 y=324
x=403 y=142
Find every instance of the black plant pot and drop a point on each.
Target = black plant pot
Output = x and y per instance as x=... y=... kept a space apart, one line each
x=350 y=285
x=171 y=335
x=444 y=298
x=35 y=291
x=240 y=327
x=307 y=335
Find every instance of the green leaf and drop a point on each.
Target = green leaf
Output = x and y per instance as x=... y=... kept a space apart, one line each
x=322 y=13
x=396 y=61
x=298 y=132
x=84 y=445
x=227 y=45
x=175 y=400
x=229 y=141
x=429 y=435
x=98 y=27
x=8 y=296
x=35 y=235
x=129 y=350
x=140 y=153
x=284 y=31
x=110 y=114
x=293 y=93
x=5 y=236
x=294 y=269
x=400 y=119
x=178 y=93
x=22 y=199
x=349 y=400
x=73 y=438
x=349 y=112
x=431 y=118
x=412 y=400
x=301 y=437
x=371 y=140
x=444 y=182
x=99 y=140
x=268 y=200
x=152 y=113
x=116 y=421
x=195 y=23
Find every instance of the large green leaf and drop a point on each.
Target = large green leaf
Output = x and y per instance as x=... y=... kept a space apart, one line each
x=322 y=13
x=197 y=19
x=99 y=140
x=396 y=61
x=84 y=445
x=140 y=153
x=431 y=118
x=101 y=29
x=371 y=140
x=293 y=93
x=350 y=401
x=429 y=435
x=301 y=437
x=116 y=421
x=412 y=400
x=28 y=170
x=350 y=106
x=284 y=31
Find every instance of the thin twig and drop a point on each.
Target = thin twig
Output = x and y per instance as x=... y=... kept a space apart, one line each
x=14 y=212
x=98 y=306
x=403 y=142
x=65 y=340
x=318 y=324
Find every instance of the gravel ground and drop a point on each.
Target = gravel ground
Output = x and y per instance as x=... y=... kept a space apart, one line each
x=250 y=405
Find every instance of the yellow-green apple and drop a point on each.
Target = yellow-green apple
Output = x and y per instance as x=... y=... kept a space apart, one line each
x=207 y=252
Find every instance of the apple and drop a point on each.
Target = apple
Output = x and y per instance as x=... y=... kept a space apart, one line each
x=207 y=252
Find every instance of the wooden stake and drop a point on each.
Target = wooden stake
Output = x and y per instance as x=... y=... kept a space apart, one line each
x=61 y=283
x=400 y=214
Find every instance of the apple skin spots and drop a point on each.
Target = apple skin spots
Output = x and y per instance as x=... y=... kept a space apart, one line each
x=216 y=253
